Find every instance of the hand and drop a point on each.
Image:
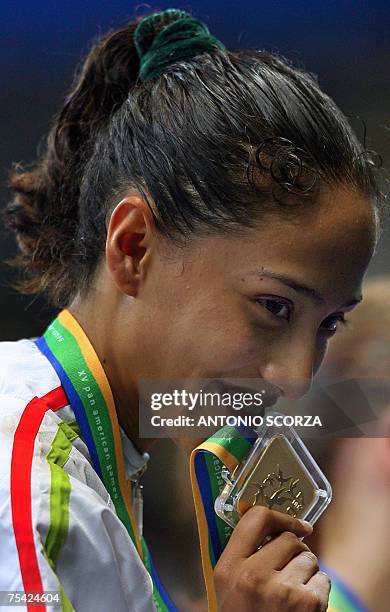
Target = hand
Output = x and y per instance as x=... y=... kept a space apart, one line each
x=280 y=576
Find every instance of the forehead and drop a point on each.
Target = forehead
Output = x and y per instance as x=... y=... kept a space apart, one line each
x=327 y=246
x=341 y=223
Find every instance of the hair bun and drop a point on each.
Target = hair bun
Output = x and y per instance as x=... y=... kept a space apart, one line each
x=161 y=39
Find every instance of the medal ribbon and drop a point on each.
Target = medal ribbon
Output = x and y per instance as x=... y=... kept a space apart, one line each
x=226 y=448
x=83 y=378
x=342 y=598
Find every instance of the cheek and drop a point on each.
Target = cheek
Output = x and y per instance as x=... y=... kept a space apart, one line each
x=208 y=330
x=236 y=352
x=223 y=347
x=321 y=348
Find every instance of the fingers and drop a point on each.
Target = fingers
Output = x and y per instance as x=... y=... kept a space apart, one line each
x=281 y=574
x=319 y=585
x=281 y=550
x=302 y=567
x=256 y=525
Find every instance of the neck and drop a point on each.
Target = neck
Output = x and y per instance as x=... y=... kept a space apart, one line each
x=106 y=336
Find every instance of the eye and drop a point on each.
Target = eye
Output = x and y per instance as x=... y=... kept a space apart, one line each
x=331 y=323
x=278 y=308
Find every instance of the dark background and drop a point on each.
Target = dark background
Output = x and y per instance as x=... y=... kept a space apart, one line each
x=346 y=43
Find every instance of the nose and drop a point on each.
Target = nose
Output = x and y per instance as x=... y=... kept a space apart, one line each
x=291 y=369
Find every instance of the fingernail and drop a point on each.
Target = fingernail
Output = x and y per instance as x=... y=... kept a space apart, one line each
x=306 y=524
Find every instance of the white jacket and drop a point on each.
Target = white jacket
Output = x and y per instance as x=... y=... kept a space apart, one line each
x=52 y=498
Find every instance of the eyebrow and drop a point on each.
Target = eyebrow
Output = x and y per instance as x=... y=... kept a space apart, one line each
x=311 y=293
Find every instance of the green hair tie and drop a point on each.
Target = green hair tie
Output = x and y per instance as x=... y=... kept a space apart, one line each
x=183 y=37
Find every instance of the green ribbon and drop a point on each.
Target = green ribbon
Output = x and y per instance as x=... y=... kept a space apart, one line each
x=181 y=37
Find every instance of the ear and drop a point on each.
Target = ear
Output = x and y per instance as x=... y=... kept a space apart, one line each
x=129 y=243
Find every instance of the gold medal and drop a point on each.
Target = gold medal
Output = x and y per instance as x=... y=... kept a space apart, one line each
x=279 y=481
x=278 y=473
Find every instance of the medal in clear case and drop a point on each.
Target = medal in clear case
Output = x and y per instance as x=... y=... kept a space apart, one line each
x=278 y=473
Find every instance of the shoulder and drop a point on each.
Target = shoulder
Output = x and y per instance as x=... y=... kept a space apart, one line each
x=59 y=527
x=24 y=371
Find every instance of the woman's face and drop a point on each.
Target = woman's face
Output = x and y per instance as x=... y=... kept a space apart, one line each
x=262 y=305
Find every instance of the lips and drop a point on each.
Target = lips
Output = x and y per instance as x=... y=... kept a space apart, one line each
x=269 y=394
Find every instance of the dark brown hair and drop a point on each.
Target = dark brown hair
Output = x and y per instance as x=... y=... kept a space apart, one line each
x=213 y=143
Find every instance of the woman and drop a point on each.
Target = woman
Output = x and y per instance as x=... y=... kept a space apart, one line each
x=199 y=214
